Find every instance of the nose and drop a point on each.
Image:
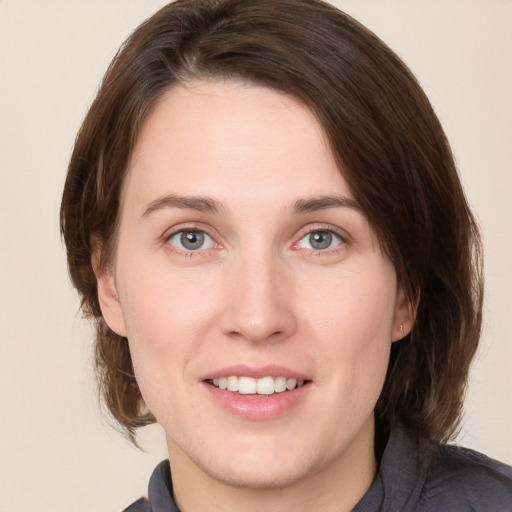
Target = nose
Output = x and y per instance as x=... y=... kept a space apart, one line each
x=258 y=300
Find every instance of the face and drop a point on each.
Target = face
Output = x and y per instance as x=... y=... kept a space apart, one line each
x=243 y=261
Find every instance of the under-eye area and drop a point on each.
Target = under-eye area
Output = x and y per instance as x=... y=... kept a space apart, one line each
x=251 y=386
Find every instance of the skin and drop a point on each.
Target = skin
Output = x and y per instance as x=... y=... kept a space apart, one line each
x=256 y=293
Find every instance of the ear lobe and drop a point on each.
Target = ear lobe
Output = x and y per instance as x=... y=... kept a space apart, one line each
x=107 y=294
x=405 y=315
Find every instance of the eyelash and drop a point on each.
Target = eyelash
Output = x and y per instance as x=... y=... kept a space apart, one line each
x=190 y=253
x=342 y=238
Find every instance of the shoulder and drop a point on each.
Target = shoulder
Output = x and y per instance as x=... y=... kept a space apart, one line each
x=141 y=505
x=160 y=496
x=461 y=479
x=421 y=476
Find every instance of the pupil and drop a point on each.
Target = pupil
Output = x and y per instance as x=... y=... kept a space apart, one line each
x=192 y=240
x=320 y=240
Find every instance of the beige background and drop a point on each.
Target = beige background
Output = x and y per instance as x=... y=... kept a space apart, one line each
x=56 y=452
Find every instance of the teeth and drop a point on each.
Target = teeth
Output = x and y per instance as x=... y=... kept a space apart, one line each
x=290 y=384
x=246 y=386
x=280 y=384
x=249 y=386
x=265 y=386
x=232 y=383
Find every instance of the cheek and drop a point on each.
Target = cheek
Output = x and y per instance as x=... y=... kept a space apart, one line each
x=160 y=304
x=166 y=323
x=355 y=306
x=168 y=316
x=352 y=321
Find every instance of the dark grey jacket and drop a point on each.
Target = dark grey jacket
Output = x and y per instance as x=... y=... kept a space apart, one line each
x=415 y=475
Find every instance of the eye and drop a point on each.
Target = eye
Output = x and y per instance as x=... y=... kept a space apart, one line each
x=191 y=240
x=319 y=240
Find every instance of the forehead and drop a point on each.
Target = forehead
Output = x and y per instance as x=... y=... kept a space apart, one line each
x=225 y=138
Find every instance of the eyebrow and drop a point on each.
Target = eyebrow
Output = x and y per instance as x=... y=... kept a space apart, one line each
x=209 y=205
x=197 y=203
x=314 y=204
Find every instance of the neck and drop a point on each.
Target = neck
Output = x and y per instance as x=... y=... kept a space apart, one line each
x=336 y=487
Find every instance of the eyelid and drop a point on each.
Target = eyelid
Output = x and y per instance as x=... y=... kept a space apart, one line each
x=207 y=240
x=312 y=228
x=344 y=237
x=189 y=226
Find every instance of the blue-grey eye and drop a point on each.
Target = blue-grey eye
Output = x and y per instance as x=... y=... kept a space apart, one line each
x=319 y=240
x=191 y=240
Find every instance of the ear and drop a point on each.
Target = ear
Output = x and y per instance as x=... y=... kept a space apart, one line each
x=405 y=315
x=107 y=294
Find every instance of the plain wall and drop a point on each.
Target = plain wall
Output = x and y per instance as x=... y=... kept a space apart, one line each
x=56 y=451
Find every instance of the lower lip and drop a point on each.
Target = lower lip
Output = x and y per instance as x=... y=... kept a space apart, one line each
x=257 y=407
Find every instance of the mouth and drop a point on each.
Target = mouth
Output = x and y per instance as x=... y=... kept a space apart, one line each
x=244 y=385
x=258 y=392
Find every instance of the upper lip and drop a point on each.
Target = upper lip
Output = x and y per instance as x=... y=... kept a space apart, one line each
x=256 y=372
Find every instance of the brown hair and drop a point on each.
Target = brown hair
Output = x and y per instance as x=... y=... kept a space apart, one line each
x=384 y=135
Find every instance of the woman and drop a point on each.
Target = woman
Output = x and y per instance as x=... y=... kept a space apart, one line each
x=264 y=218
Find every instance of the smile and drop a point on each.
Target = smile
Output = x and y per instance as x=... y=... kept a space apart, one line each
x=251 y=386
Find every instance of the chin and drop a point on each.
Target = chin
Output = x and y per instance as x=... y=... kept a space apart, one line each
x=253 y=461
x=242 y=475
